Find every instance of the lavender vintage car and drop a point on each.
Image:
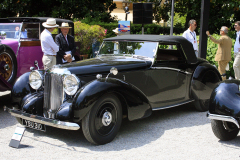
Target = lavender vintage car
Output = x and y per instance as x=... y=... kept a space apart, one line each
x=20 y=46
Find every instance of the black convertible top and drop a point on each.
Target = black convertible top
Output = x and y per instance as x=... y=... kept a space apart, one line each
x=186 y=45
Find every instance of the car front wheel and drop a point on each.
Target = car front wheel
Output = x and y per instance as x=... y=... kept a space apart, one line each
x=103 y=121
x=224 y=130
x=8 y=65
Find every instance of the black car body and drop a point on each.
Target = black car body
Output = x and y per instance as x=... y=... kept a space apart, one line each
x=224 y=109
x=145 y=75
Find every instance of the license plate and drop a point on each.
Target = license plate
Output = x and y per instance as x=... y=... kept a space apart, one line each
x=34 y=125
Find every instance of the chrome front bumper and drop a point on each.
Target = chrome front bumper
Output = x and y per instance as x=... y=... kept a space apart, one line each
x=223 y=118
x=42 y=120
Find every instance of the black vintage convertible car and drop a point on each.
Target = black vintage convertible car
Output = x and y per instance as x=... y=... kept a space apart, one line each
x=131 y=76
x=224 y=109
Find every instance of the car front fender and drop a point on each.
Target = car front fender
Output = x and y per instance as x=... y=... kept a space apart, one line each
x=21 y=88
x=131 y=98
x=225 y=99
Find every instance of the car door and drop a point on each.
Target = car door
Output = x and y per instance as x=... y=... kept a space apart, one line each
x=167 y=79
x=29 y=47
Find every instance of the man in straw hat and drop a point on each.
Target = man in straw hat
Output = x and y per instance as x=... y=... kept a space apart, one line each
x=67 y=47
x=49 y=47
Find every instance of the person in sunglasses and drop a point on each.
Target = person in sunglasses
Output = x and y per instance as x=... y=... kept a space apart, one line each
x=236 y=63
x=191 y=36
x=223 y=55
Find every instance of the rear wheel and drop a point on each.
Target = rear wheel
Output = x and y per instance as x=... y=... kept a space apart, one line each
x=224 y=130
x=8 y=65
x=103 y=121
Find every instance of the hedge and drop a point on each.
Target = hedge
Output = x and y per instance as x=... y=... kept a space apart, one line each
x=137 y=29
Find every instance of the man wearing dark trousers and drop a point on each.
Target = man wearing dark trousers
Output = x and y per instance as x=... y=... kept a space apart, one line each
x=67 y=47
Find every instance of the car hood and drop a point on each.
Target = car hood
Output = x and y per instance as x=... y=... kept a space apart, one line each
x=104 y=64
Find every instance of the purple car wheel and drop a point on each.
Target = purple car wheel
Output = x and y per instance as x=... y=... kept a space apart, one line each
x=8 y=65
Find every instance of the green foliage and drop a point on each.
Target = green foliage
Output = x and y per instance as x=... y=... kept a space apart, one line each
x=68 y=9
x=163 y=46
x=7 y=9
x=86 y=35
x=137 y=29
x=179 y=21
x=222 y=12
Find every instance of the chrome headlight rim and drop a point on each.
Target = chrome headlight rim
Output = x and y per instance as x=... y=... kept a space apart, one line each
x=76 y=87
x=40 y=78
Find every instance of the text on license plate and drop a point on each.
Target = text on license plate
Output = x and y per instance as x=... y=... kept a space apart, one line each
x=34 y=125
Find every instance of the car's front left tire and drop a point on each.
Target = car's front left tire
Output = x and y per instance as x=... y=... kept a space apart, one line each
x=224 y=130
x=103 y=121
x=9 y=68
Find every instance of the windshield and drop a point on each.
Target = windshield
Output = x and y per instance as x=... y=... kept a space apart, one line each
x=10 y=30
x=146 y=49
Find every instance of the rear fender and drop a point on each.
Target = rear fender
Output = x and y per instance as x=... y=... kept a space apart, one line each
x=204 y=79
x=135 y=101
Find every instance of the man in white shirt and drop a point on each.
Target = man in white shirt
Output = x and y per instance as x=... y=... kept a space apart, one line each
x=191 y=36
x=236 y=63
x=49 y=47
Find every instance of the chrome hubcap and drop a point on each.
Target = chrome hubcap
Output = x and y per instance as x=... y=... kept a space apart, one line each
x=6 y=67
x=107 y=118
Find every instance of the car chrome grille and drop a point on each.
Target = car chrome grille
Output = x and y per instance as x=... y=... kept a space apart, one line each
x=53 y=94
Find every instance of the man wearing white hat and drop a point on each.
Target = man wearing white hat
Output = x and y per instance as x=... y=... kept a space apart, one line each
x=67 y=47
x=49 y=47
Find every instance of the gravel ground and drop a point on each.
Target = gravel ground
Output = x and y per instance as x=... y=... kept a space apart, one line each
x=176 y=133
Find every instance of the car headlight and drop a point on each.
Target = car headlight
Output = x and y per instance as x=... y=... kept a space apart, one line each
x=35 y=80
x=71 y=84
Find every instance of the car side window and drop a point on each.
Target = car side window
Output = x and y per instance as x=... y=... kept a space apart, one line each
x=30 y=31
x=169 y=53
